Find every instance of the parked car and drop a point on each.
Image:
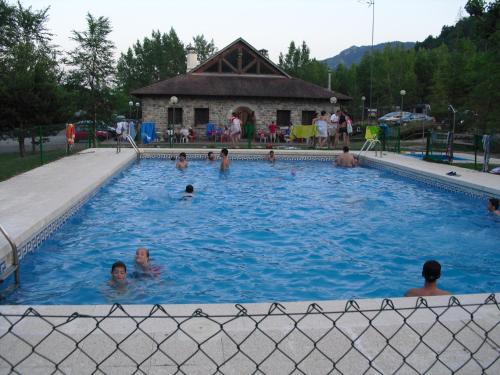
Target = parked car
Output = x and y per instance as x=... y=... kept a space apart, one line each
x=407 y=117
x=82 y=128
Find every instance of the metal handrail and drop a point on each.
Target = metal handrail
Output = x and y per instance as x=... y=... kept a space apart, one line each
x=134 y=145
x=370 y=143
x=15 y=260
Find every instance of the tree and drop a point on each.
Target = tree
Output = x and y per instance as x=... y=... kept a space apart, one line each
x=159 y=57
x=204 y=49
x=29 y=74
x=297 y=63
x=93 y=65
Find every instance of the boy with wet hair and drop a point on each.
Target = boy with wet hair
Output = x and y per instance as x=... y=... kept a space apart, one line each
x=493 y=206
x=271 y=157
x=431 y=272
x=224 y=165
x=118 y=274
x=211 y=156
x=189 y=192
x=182 y=162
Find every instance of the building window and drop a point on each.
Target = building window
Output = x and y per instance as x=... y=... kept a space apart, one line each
x=307 y=117
x=178 y=116
x=282 y=118
x=201 y=116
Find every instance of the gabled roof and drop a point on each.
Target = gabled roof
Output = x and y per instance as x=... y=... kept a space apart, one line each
x=238 y=70
x=239 y=57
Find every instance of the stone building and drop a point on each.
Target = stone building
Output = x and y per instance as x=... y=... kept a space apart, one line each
x=237 y=79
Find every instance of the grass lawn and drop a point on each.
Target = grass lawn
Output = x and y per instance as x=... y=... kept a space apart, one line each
x=12 y=164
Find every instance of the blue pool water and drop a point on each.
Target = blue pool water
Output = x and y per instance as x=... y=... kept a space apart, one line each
x=289 y=232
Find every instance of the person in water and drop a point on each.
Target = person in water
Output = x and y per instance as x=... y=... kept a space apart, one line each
x=189 y=192
x=493 y=206
x=211 y=156
x=346 y=159
x=224 y=165
x=431 y=272
x=271 y=157
x=143 y=267
x=118 y=274
x=182 y=162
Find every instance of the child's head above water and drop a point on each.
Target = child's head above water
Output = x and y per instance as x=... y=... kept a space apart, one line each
x=142 y=256
x=119 y=271
x=190 y=189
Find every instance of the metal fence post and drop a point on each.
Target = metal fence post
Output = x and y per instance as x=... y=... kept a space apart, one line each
x=399 y=140
x=428 y=143
x=40 y=141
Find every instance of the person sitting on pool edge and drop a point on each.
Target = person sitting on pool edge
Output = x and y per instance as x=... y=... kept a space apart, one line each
x=224 y=165
x=493 y=205
x=182 y=162
x=118 y=274
x=211 y=156
x=189 y=192
x=143 y=267
x=271 y=157
x=431 y=271
x=346 y=159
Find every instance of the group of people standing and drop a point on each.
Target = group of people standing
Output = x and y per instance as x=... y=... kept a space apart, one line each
x=329 y=128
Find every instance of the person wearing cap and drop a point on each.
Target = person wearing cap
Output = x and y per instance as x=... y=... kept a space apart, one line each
x=430 y=272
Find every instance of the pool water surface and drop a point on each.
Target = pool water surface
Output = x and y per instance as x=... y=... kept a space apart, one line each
x=293 y=231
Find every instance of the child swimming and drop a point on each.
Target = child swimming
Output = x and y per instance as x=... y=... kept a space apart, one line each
x=143 y=267
x=118 y=274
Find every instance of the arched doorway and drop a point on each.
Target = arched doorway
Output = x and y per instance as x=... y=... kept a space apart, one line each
x=245 y=114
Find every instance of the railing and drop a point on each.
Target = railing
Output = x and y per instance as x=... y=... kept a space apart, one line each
x=134 y=145
x=452 y=338
x=14 y=268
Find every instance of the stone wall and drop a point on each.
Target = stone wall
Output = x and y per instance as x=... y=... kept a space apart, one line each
x=220 y=109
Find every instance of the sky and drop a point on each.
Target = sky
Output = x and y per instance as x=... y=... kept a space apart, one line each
x=327 y=26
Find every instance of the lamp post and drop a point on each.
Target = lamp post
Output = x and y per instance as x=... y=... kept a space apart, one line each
x=137 y=105
x=333 y=100
x=363 y=98
x=402 y=93
x=451 y=138
x=130 y=105
x=173 y=101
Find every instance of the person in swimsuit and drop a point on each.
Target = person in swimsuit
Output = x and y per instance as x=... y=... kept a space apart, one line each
x=493 y=206
x=143 y=267
x=431 y=271
x=118 y=274
x=224 y=165
x=182 y=162
x=189 y=192
x=211 y=156
x=342 y=129
x=271 y=157
x=322 y=128
x=346 y=159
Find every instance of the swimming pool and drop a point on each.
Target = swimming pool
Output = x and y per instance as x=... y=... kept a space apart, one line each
x=294 y=231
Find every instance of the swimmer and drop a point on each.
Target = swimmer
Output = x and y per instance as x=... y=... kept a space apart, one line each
x=189 y=192
x=182 y=162
x=143 y=267
x=493 y=206
x=294 y=172
x=224 y=165
x=271 y=157
x=346 y=159
x=211 y=156
x=118 y=274
x=431 y=271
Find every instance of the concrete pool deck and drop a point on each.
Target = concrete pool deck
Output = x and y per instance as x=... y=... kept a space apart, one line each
x=32 y=201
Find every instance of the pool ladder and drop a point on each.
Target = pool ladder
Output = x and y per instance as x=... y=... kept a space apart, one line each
x=370 y=144
x=134 y=145
x=14 y=268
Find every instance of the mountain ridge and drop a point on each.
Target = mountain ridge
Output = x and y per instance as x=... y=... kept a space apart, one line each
x=354 y=54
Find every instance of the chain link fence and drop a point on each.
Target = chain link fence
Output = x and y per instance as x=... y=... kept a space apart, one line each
x=452 y=338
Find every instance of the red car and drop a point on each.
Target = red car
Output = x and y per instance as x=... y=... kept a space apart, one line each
x=81 y=133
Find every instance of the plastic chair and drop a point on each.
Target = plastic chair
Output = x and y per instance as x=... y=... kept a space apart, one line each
x=371 y=136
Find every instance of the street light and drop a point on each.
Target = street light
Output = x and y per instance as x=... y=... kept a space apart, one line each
x=137 y=105
x=333 y=100
x=363 y=98
x=173 y=101
x=130 y=105
x=402 y=93
x=451 y=137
